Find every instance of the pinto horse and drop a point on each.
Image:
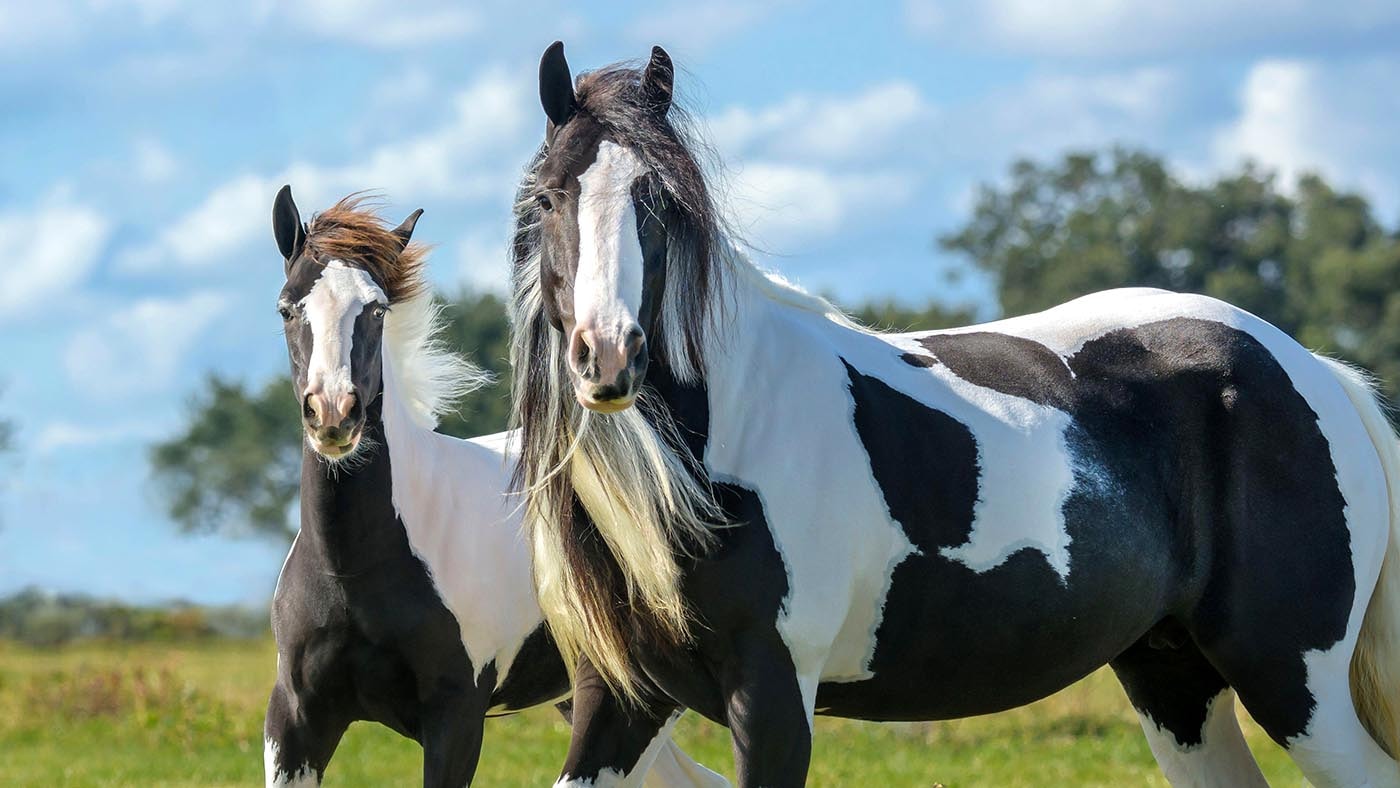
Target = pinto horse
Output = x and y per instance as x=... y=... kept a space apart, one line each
x=789 y=514
x=406 y=598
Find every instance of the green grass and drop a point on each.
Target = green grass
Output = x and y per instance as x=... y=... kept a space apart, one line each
x=191 y=715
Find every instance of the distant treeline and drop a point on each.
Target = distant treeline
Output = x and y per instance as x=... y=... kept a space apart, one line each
x=41 y=618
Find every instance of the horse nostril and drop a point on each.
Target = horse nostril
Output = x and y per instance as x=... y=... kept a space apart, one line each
x=355 y=409
x=582 y=354
x=635 y=344
x=307 y=411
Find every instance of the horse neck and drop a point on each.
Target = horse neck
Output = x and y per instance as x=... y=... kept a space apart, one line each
x=447 y=491
x=347 y=516
x=753 y=311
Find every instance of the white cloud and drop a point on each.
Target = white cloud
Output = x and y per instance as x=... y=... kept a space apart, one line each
x=1050 y=112
x=780 y=206
x=153 y=162
x=48 y=252
x=38 y=28
x=384 y=24
x=1090 y=28
x=1297 y=116
x=867 y=125
x=62 y=435
x=695 y=27
x=473 y=155
x=139 y=348
x=812 y=165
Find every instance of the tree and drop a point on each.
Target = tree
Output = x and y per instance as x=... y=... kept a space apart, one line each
x=890 y=315
x=235 y=466
x=1314 y=262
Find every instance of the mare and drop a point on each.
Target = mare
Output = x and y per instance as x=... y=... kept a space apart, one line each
x=790 y=514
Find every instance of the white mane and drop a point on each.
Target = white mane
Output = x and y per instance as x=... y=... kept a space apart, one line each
x=775 y=287
x=429 y=376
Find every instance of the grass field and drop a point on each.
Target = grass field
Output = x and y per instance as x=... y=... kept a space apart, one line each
x=158 y=715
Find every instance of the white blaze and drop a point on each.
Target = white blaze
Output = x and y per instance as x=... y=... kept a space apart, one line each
x=337 y=298
x=608 y=286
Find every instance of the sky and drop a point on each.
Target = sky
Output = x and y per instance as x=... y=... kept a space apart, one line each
x=142 y=141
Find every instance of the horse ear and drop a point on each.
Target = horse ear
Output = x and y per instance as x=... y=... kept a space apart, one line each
x=557 y=85
x=405 y=230
x=657 y=81
x=286 y=225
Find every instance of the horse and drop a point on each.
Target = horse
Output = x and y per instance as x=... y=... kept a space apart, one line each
x=789 y=514
x=406 y=598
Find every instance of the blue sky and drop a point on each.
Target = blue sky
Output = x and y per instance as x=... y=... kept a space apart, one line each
x=141 y=142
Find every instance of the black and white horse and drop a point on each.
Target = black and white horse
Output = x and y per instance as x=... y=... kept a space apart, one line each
x=406 y=598
x=792 y=515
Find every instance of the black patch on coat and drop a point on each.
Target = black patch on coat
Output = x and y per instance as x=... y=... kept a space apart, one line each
x=918 y=360
x=1168 y=678
x=534 y=676
x=1012 y=365
x=1204 y=493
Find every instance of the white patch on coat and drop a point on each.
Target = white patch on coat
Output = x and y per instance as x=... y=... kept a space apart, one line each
x=453 y=497
x=608 y=284
x=1026 y=470
x=331 y=308
x=305 y=777
x=1222 y=758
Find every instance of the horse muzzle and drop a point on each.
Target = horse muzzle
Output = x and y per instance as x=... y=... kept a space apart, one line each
x=608 y=371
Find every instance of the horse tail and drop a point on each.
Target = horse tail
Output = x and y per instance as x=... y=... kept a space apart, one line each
x=1375 y=665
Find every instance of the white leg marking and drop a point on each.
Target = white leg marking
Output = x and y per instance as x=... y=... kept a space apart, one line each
x=661 y=765
x=1221 y=759
x=671 y=767
x=1337 y=750
x=304 y=777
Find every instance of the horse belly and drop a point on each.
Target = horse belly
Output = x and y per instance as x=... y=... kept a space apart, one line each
x=955 y=643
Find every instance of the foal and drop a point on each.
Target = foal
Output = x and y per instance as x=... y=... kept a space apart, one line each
x=406 y=598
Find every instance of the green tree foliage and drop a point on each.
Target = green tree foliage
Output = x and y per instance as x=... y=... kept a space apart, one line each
x=236 y=465
x=477 y=326
x=890 y=315
x=1314 y=262
x=40 y=618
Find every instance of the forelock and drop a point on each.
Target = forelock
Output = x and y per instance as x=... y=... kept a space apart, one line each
x=353 y=232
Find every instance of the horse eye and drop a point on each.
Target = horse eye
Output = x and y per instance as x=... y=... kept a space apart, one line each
x=378 y=312
x=544 y=202
x=284 y=312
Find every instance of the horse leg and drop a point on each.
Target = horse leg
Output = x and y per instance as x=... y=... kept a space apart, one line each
x=674 y=767
x=451 y=737
x=298 y=739
x=769 y=713
x=1334 y=749
x=616 y=746
x=1187 y=711
x=671 y=767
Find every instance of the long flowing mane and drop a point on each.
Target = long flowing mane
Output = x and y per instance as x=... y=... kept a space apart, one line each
x=612 y=578
x=429 y=376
